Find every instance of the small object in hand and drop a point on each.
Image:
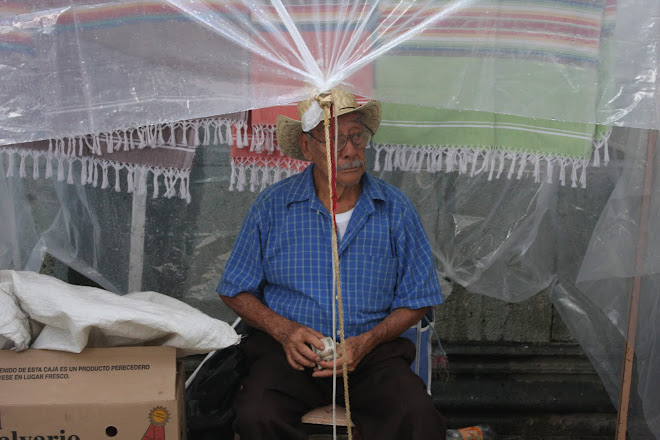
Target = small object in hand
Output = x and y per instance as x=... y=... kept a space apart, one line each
x=328 y=352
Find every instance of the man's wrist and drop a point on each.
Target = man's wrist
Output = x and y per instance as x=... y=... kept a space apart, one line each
x=279 y=328
x=372 y=338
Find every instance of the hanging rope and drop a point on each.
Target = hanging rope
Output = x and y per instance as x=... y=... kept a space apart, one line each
x=325 y=101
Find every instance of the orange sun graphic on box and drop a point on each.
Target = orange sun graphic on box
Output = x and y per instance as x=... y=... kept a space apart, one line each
x=158 y=418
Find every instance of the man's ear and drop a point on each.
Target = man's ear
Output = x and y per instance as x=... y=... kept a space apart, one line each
x=305 y=146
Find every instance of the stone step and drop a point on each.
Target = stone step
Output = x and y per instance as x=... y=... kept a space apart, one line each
x=548 y=391
x=553 y=379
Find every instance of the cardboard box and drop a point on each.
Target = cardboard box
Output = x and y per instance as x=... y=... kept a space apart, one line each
x=127 y=393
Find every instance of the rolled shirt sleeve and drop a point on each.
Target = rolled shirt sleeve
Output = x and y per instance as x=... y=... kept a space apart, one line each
x=417 y=280
x=244 y=270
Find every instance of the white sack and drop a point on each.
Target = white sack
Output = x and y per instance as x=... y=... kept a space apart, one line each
x=75 y=317
x=14 y=325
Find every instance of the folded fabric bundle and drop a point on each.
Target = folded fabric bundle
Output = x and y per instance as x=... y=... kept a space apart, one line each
x=39 y=311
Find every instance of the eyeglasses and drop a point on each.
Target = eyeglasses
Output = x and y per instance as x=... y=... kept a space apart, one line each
x=359 y=140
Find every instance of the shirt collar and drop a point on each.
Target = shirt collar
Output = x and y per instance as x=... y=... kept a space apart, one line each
x=303 y=188
x=370 y=189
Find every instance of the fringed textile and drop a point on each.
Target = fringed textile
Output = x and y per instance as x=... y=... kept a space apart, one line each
x=100 y=159
x=416 y=139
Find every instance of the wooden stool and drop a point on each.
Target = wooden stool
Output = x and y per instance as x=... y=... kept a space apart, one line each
x=323 y=416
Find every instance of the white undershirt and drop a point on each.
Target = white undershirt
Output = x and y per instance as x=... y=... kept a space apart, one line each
x=342 y=222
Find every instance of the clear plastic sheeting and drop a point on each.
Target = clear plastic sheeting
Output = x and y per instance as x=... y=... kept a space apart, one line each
x=70 y=68
x=18 y=233
x=621 y=268
x=594 y=296
x=508 y=239
x=75 y=67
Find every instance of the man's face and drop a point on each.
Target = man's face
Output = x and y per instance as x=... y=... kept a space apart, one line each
x=351 y=164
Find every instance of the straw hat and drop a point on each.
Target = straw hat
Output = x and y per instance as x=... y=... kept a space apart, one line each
x=310 y=114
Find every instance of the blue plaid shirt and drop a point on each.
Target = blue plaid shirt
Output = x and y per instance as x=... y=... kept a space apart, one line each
x=283 y=256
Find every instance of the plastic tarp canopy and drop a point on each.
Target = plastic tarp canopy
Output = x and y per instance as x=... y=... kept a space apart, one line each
x=70 y=68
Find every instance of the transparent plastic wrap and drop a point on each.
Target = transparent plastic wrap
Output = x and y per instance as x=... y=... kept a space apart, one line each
x=18 y=233
x=620 y=273
x=508 y=239
x=70 y=68
x=74 y=67
x=488 y=236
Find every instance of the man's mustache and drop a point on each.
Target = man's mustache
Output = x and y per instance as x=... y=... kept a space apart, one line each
x=357 y=163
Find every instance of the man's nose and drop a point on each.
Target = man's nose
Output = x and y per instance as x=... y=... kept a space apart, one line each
x=349 y=149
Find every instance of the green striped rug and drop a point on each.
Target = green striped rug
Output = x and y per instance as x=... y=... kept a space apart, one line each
x=413 y=138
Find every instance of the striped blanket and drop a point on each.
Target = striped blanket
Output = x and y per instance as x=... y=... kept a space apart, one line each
x=511 y=57
x=415 y=138
x=534 y=58
x=495 y=54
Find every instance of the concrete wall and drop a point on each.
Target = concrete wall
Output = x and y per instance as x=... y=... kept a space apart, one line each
x=469 y=317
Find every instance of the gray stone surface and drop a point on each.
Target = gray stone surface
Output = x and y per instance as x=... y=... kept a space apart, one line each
x=559 y=332
x=477 y=318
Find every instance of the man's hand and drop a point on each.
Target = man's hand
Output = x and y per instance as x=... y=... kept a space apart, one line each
x=356 y=349
x=294 y=338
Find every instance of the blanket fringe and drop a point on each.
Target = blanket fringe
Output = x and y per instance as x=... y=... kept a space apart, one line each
x=94 y=170
x=264 y=139
x=91 y=152
x=187 y=134
x=468 y=159
x=257 y=174
x=473 y=160
x=601 y=138
x=262 y=173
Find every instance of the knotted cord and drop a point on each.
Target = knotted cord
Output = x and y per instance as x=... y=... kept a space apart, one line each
x=325 y=101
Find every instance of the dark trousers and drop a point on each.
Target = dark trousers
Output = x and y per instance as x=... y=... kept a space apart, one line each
x=388 y=400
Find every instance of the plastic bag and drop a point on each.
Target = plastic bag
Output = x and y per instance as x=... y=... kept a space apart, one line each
x=210 y=395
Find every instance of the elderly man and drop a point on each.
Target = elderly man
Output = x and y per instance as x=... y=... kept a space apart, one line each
x=279 y=279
